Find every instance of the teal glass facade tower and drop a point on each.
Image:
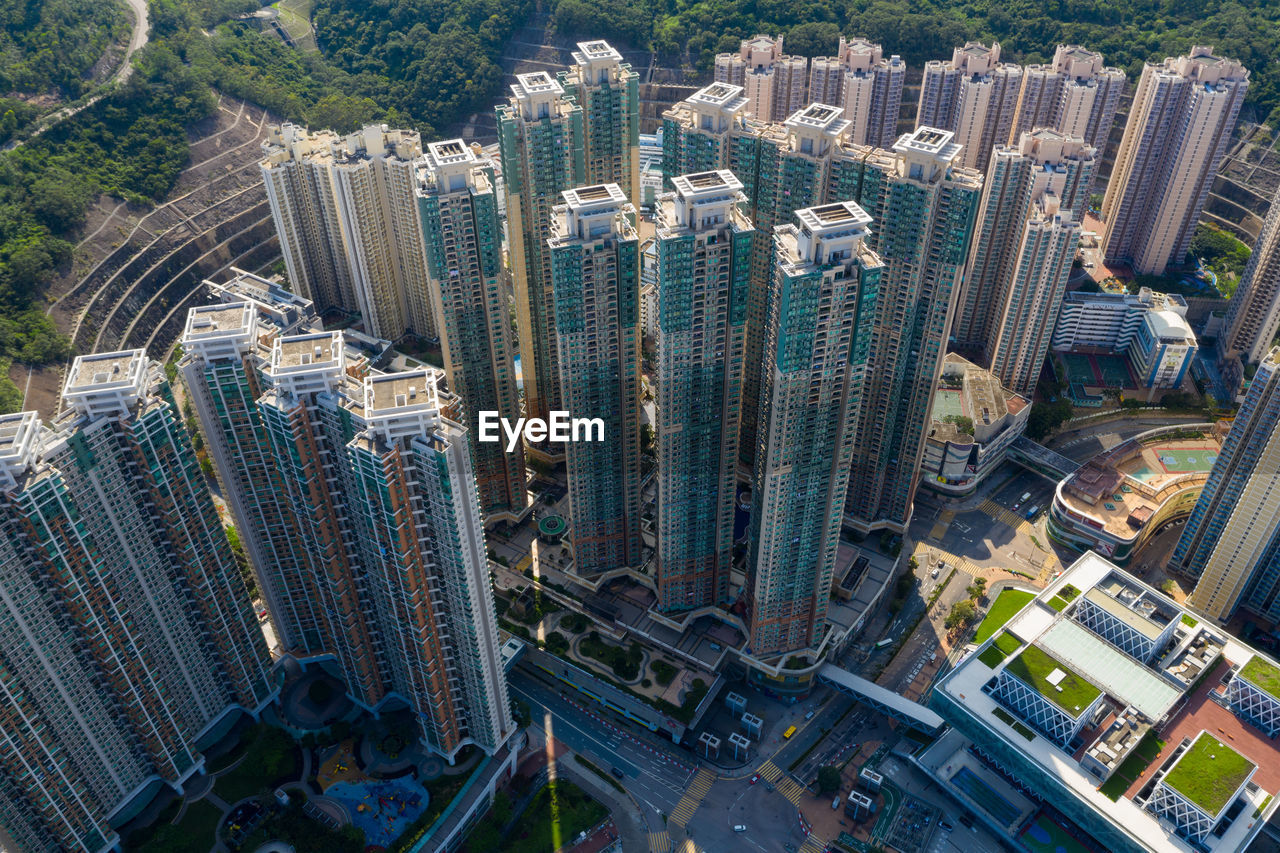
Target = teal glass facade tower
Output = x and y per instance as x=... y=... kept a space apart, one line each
x=540 y=144
x=824 y=294
x=609 y=93
x=462 y=234
x=704 y=245
x=595 y=260
x=924 y=206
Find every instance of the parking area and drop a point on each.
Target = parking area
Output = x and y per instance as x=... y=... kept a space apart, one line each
x=916 y=823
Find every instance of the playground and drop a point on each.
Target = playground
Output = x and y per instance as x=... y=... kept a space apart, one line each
x=381 y=809
x=1097 y=370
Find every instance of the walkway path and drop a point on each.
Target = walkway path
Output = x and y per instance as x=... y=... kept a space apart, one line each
x=137 y=39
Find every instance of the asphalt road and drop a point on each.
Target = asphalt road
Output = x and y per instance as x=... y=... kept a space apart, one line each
x=656 y=778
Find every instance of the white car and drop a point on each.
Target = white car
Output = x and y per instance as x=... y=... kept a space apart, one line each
x=742 y=827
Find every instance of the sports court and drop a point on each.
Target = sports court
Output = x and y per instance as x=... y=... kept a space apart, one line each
x=947 y=401
x=1098 y=370
x=1042 y=835
x=1171 y=459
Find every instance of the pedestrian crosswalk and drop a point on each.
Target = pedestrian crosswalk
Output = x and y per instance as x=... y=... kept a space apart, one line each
x=791 y=789
x=769 y=772
x=813 y=843
x=684 y=810
x=954 y=561
x=940 y=526
x=659 y=842
x=1005 y=516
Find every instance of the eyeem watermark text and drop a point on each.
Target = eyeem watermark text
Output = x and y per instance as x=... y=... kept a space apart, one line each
x=559 y=428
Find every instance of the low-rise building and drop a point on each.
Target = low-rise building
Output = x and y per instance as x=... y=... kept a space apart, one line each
x=1149 y=328
x=1058 y=730
x=974 y=422
x=1117 y=499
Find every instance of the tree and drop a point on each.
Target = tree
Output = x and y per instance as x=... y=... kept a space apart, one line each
x=1168 y=587
x=59 y=198
x=962 y=615
x=556 y=643
x=1046 y=417
x=815 y=38
x=828 y=779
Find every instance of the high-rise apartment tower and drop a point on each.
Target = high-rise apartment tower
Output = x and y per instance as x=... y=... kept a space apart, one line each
x=540 y=143
x=816 y=352
x=975 y=95
x=1076 y=94
x=868 y=87
x=704 y=271
x=348 y=223
x=1253 y=316
x=1179 y=125
x=1033 y=201
x=924 y=205
x=371 y=471
x=609 y=93
x=462 y=233
x=595 y=272
x=774 y=83
x=126 y=633
x=1231 y=543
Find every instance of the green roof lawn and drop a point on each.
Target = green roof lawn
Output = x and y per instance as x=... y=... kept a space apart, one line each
x=1263 y=674
x=1208 y=773
x=1007 y=643
x=1007 y=603
x=1034 y=666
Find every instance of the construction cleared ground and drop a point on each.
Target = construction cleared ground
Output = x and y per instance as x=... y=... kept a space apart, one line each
x=138 y=268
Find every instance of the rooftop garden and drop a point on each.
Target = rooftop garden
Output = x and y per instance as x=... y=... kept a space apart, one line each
x=1006 y=605
x=1262 y=674
x=1003 y=646
x=1072 y=693
x=1133 y=766
x=1209 y=773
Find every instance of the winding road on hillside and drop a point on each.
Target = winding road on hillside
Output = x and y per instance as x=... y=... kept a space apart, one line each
x=138 y=38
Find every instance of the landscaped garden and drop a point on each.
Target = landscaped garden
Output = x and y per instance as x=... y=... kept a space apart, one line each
x=193 y=834
x=624 y=662
x=1209 y=773
x=1006 y=605
x=1070 y=692
x=553 y=818
x=270 y=757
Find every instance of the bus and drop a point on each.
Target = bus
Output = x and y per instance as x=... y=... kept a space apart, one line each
x=789 y=732
x=886 y=641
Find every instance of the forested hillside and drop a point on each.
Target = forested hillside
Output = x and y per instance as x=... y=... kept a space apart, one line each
x=439 y=57
x=49 y=47
x=1127 y=32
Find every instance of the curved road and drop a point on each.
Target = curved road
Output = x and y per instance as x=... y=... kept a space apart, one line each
x=138 y=38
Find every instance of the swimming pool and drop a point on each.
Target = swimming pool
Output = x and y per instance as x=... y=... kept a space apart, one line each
x=1004 y=812
x=381 y=810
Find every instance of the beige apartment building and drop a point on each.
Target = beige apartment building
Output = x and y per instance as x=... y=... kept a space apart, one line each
x=1179 y=125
